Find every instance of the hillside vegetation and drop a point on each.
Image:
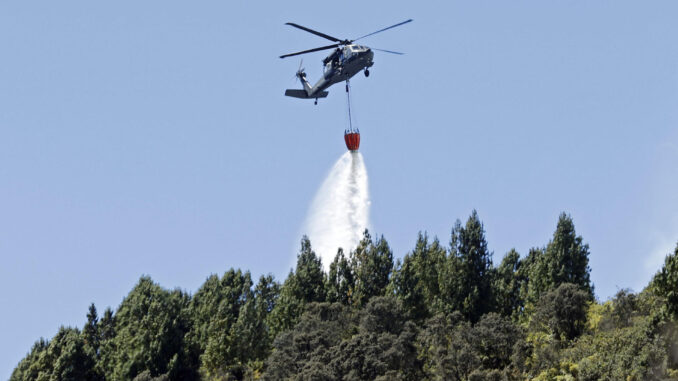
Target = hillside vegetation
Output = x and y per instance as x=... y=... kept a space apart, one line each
x=443 y=312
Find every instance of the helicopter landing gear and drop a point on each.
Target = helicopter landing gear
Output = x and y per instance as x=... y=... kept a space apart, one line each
x=367 y=73
x=347 y=86
x=316 y=101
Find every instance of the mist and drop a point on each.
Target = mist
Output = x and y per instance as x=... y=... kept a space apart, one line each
x=340 y=209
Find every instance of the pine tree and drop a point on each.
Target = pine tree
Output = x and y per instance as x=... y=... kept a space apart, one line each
x=565 y=260
x=150 y=326
x=371 y=264
x=309 y=277
x=470 y=264
x=417 y=280
x=340 y=280
x=508 y=301
x=90 y=332
x=666 y=282
x=303 y=286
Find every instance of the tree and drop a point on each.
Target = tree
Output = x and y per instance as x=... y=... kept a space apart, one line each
x=217 y=309
x=371 y=266
x=453 y=349
x=305 y=347
x=383 y=348
x=63 y=358
x=470 y=267
x=90 y=332
x=340 y=280
x=507 y=285
x=150 y=325
x=417 y=281
x=309 y=279
x=304 y=285
x=562 y=312
x=666 y=282
x=565 y=260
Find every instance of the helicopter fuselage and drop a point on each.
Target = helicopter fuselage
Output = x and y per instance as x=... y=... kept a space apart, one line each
x=341 y=65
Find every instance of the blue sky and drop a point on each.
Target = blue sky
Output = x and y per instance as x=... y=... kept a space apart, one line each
x=154 y=138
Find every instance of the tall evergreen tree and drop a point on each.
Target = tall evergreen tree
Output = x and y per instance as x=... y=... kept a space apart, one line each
x=470 y=265
x=90 y=332
x=150 y=325
x=304 y=285
x=507 y=285
x=565 y=260
x=666 y=282
x=417 y=280
x=62 y=358
x=340 y=280
x=371 y=265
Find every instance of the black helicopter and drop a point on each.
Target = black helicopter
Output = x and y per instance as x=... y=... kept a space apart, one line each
x=345 y=61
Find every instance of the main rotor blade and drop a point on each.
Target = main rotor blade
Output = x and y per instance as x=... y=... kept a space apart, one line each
x=387 y=51
x=310 y=50
x=381 y=30
x=323 y=35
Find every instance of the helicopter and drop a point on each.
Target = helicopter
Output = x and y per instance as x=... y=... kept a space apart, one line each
x=344 y=62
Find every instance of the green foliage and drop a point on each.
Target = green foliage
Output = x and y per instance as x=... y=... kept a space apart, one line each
x=62 y=358
x=340 y=280
x=305 y=285
x=562 y=312
x=90 y=333
x=666 y=282
x=437 y=315
x=150 y=325
x=332 y=343
x=507 y=285
x=565 y=260
x=470 y=270
x=305 y=348
x=452 y=349
x=371 y=266
x=417 y=281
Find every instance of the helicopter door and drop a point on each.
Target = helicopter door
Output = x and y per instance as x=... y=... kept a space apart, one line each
x=329 y=70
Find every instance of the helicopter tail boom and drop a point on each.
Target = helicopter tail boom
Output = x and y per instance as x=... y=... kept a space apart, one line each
x=298 y=93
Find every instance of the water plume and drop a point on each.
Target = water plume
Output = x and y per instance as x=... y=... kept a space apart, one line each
x=340 y=210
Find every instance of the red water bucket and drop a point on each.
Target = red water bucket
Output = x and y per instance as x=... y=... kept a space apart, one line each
x=352 y=140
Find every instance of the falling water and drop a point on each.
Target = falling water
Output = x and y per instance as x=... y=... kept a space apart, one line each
x=340 y=210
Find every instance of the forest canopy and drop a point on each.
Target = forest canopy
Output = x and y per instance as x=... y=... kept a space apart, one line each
x=444 y=311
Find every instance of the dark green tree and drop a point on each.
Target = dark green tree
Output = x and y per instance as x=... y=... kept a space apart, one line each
x=416 y=282
x=216 y=309
x=666 y=282
x=565 y=260
x=507 y=285
x=452 y=349
x=31 y=366
x=309 y=279
x=90 y=332
x=304 y=285
x=305 y=348
x=340 y=280
x=562 y=312
x=150 y=325
x=371 y=266
x=383 y=347
x=470 y=270
x=63 y=358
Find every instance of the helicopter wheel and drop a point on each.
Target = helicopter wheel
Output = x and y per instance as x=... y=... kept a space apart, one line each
x=367 y=73
x=316 y=101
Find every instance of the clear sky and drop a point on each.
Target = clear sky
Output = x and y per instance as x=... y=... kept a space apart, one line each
x=154 y=138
